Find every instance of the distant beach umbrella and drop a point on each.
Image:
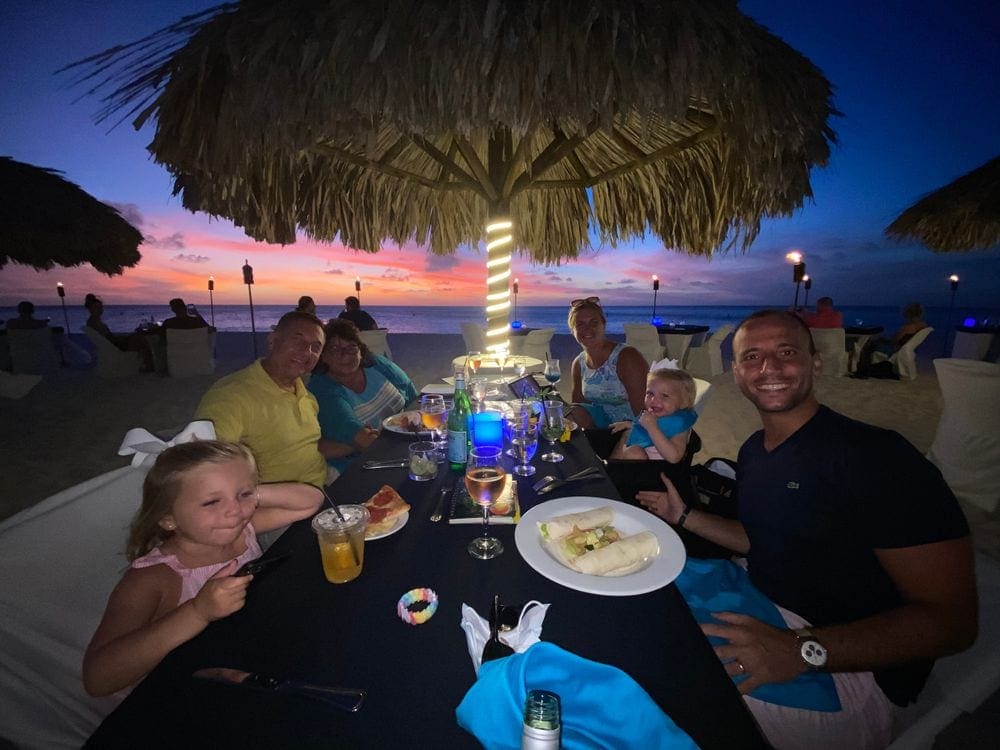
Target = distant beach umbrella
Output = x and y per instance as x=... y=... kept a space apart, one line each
x=46 y=220
x=963 y=215
x=428 y=121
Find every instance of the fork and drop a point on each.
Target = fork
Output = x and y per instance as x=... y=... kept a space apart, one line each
x=549 y=478
x=562 y=482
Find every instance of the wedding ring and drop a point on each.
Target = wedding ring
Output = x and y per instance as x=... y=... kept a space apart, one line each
x=739 y=666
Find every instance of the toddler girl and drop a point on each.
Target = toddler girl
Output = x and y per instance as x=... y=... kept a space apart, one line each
x=663 y=428
x=198 y=523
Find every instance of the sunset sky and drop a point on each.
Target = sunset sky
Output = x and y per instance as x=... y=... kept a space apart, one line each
x=916 y=82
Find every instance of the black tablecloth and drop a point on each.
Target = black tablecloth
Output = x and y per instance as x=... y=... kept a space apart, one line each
x=295 y=624
x=862 y=330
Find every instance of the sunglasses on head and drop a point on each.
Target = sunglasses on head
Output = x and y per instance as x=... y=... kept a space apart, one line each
x=585 y=301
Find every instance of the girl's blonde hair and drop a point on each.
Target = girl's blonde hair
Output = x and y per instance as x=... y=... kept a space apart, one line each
x=676 y=376
x=163 y=485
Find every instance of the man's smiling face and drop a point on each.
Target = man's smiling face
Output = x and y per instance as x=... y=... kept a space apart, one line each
x=772 y=363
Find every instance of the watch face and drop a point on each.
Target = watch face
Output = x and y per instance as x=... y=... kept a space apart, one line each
x=813 y=653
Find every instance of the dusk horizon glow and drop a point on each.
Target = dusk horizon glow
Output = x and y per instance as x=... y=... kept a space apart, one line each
x=915 y=82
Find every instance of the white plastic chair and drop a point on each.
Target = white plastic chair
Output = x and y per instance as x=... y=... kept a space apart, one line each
x=474 y=336
x=705 y=361
x=904 y=361
x=966 y=447
x=377 y=342
x=112 y=362
x=533 y=344
x=646 y=339
x=190 y=351
x=32 y=351
x=831 y=344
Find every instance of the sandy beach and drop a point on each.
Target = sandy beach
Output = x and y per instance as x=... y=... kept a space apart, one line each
x=69 y=427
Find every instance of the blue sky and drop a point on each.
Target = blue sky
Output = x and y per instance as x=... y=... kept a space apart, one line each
x=916 y=83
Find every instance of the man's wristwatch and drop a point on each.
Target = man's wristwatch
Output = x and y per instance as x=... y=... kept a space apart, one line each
x=813 y=652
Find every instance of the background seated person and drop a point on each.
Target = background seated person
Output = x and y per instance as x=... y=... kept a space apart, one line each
x=128 y=342
x=825 y=316
x=356 y=390
x=25 y=319
x=354 y=313
x=913 y=315
x=609 y=378
x=306 y=305
x=182 y=318
x=664 y=426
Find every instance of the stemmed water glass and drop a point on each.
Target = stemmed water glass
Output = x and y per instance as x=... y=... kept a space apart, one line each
x=473 y=360
x=433 y=416
x=477 y=387
x=524 y=437
x=553 y=426
x=485 y=479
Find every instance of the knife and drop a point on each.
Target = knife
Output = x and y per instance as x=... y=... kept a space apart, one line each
x=384 y=464
x=346 y=699
x=439 y=508
x=582 y=477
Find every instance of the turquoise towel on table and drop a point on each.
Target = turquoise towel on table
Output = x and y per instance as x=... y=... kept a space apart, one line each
x=670 y=425
x=722 y=586
x=594 y=699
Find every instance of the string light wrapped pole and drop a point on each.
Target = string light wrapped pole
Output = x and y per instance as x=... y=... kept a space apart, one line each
x=499 y=243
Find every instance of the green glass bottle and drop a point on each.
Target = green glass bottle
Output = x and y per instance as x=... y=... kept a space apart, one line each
x=458 y=426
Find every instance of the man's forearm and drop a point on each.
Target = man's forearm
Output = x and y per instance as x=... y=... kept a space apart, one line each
x=724 y=531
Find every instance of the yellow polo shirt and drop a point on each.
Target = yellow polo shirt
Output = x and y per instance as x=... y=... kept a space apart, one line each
x=281 y=428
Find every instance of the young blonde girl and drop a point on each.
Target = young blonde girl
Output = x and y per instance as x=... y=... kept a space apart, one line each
x=198 y=523
x=664 y=426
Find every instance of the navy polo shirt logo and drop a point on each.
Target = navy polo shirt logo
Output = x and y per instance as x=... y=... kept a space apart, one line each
x=792 y=485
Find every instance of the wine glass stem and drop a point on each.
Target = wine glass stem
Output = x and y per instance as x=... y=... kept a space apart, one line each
x=486 y=522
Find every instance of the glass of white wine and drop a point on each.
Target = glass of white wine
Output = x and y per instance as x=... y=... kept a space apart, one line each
x=474 y=359
x=553 y=426
x=485 y=479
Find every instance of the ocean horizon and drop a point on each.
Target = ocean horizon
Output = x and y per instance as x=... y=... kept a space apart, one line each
x=448 y=319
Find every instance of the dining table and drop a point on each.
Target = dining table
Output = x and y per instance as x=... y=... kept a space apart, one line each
x=297 y=625
x=677 y=337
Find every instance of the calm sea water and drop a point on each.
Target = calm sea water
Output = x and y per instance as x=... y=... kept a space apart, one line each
x=449 y=319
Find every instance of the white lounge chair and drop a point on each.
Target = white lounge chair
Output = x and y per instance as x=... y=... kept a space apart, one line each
x=966 y=447
x=832 y=347
x=112 y=362
x=646 y=339
x=474 y=336
x=377 y=342
x=705 y=361
x=190 y=351
x=904 y=361
x=32 y=351
x=533 y=343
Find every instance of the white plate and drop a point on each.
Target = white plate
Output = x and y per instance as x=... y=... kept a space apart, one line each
x=442 y=389
x=400 y=523
x=629 y=519
x=387 y=424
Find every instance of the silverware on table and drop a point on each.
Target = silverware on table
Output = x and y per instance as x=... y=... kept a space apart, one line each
x=549 y=480
x=593 y=474
x=396 y=464
x=346 y=699
x=439 y=507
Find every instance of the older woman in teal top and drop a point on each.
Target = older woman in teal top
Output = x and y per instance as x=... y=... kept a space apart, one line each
x=356 y=390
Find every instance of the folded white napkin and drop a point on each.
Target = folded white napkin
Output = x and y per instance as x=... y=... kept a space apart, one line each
x=443 y=389
x=527 y=632
x=665 y=364
x=144 y=445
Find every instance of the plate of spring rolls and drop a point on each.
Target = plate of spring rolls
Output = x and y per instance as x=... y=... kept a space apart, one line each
x=600 y=546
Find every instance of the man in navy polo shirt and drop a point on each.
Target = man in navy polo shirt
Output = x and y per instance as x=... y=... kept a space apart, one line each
x=852 y=533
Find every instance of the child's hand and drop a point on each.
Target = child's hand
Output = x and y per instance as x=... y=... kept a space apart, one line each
x=222 y=594
x=647 y=419
x=620 y=426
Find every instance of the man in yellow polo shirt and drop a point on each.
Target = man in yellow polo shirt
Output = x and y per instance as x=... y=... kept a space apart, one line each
x=267 y=407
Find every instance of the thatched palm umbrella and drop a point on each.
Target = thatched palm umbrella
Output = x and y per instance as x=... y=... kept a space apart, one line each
x=963 y=215
x=428 y=120
x=46 y=220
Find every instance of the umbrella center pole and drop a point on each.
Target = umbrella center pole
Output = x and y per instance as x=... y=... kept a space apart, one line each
x=499 y=246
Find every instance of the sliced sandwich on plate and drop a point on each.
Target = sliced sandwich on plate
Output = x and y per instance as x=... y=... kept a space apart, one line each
x=588 y=542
